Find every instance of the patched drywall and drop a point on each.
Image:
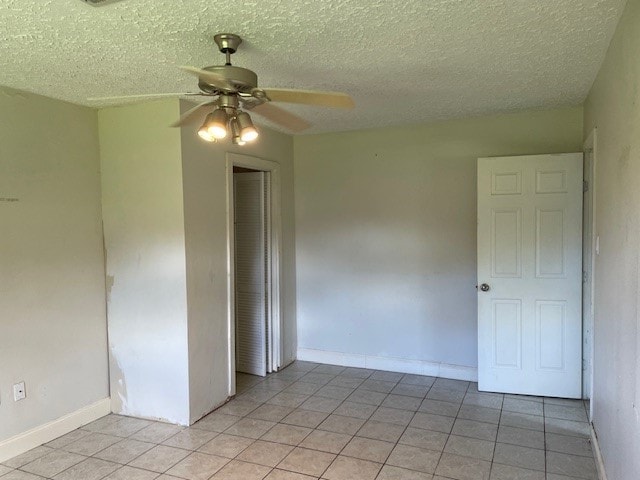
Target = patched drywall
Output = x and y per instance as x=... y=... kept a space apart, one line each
x=386 y=234
x=403 y=62
x=613 y=107
x=142 y=204
x=52 y=307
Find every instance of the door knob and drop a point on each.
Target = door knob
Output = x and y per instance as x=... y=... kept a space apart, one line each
x=485 y=287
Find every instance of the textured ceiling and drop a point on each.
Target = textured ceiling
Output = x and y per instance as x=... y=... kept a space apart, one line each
x=404 y=62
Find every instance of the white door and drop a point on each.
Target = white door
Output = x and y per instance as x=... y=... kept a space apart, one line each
x=250 y=272
x=530 y=275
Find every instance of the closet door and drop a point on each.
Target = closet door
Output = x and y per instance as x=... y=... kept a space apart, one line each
x=250 y=273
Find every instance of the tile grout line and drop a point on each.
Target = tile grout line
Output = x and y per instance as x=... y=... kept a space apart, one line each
x=353 y=436
x=495 y=443
x=397 y=442
x=451 y=430
x=544 y=433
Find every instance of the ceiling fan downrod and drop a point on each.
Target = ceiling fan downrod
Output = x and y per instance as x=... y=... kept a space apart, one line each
x=228 y=44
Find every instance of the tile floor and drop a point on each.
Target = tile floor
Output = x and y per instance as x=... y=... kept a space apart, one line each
x=313 y=421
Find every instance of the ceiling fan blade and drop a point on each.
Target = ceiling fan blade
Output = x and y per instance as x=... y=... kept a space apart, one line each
x=283 y=118
x=144 y=96
x=193 y=115
x=211 y=78
x=310 y=97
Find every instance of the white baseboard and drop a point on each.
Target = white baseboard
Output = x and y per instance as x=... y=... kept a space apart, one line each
x=595 y=446
x=35 y=437
x=403 y=365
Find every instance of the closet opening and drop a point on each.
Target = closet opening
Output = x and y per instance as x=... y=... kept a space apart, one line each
x=254 y=266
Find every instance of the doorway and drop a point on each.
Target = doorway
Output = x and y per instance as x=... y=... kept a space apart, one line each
x=251 y=198
x=253 y=241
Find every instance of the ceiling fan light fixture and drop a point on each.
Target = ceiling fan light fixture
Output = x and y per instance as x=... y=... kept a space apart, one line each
x=216 y=123
x=248 y=131
x=203 y=133
x=235 y=132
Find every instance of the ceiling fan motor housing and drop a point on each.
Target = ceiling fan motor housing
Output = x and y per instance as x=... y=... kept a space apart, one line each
x=243 y=79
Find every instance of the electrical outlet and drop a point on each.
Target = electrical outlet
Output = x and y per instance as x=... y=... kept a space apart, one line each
x=19 y=392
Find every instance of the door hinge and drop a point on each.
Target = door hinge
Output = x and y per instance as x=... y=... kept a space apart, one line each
x=585 y=276
x=585 y=186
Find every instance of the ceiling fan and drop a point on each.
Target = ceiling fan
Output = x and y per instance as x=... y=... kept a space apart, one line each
x=233 y=91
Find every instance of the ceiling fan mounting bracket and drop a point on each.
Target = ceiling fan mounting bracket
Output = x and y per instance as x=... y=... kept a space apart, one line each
x=227 y=42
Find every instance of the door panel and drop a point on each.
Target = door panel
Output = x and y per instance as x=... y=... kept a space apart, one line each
x=550 y=333
x=530 y=256
x=507 y=333
x=250 y=273
x=550 y=243
x=506 y=243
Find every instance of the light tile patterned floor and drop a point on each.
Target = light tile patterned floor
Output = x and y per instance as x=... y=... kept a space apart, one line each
x=313 y=421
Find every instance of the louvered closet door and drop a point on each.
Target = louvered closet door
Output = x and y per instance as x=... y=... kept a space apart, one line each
x=250 y=273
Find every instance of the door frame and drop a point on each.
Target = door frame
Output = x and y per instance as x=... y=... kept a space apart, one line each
x=275 y=218
x=588 y=263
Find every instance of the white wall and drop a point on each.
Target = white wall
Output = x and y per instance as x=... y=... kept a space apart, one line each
x=142 y=203
x=613 y=106
x=164 y=207
x=205 y=201
x=52 y=320
x=386 y=236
